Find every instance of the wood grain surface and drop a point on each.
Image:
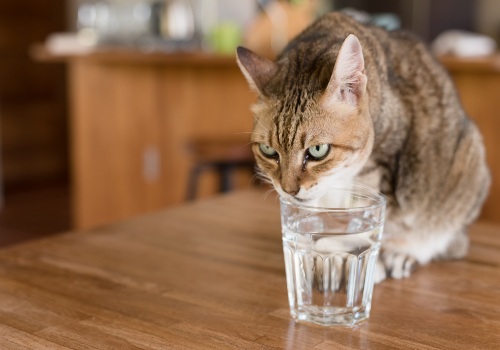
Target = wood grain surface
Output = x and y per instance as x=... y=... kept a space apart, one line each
x=33 y=115
x=210 y=275
x=132 y=122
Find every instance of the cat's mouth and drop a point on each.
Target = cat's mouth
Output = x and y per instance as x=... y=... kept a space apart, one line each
x=295 y=199
x=301 y=200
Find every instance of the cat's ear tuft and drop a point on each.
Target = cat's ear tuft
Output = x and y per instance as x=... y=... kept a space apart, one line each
x=256 y=69
x=348 y=81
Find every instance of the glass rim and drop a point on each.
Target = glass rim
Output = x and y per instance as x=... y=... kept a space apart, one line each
x=379 y=198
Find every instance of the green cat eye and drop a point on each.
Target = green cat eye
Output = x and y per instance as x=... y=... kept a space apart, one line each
x=268 y=151
x=319 y=151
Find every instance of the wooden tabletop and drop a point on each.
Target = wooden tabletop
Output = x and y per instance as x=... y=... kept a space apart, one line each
x=210 y=275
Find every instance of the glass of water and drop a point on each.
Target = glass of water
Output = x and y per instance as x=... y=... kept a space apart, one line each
x=331 y=249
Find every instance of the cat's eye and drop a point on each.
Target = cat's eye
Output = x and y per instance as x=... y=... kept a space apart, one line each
x=268 y=151
x=318 y=152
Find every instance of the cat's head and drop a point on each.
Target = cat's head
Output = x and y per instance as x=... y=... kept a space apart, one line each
x=304 y=139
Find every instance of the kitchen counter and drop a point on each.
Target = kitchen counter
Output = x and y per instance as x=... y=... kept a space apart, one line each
x=133 y=116
x=133 y=113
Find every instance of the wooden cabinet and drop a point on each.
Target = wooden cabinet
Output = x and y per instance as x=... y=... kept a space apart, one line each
x=33 y=140
x=478 y=83
x=132 y=116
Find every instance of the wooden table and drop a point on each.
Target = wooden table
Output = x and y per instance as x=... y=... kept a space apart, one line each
x=210 y=275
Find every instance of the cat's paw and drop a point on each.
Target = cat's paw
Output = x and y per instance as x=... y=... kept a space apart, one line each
x=398 y=265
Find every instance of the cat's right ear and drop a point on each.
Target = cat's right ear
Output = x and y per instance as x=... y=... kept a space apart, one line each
x=348 y=81
x=256 y=69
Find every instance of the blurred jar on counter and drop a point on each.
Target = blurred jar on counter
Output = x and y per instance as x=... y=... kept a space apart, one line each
x=223 y=23
x=155 y=23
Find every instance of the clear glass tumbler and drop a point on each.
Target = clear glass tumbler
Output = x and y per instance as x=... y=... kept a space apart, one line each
x=331 y=250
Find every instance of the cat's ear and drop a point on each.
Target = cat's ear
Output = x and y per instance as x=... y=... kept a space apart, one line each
x=348 y=80
x=256 y=69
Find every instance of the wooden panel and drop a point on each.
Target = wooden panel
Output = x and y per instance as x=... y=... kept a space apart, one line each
x=225 y=97
x=131 y=124
x=202 y=102
x=21 y=78
x=115 y=120
x=31 y=9
x=33 y=140
x=480 y=95
x=32 y=96
x=33 y=214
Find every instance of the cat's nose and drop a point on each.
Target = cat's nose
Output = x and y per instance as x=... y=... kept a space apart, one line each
x=292 y=190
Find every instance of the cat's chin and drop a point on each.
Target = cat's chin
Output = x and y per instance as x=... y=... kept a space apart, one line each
x=302 y=200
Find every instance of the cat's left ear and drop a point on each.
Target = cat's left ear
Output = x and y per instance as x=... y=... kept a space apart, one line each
x=256 y=69
x=348 y=80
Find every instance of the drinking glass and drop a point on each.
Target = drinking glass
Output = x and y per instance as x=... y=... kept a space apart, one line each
x=331 y=249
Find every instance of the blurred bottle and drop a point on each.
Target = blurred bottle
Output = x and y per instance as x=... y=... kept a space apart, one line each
x=128 y=22
x=223 y=22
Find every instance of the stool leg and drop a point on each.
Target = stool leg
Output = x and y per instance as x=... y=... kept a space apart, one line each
x=226 y=178
x=193 y=182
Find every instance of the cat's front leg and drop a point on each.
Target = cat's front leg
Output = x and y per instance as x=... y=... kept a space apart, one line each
x=394 y=265
x=395 y=258
x=402 y=253
x=399 y=254
x=398 y=265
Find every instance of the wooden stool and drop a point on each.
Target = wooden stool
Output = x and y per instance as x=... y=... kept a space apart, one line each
x=222 y=155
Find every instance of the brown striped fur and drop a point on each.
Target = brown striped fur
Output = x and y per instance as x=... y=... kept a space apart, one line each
x=406 y=133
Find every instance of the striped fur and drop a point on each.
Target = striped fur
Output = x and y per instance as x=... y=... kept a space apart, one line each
x=406 y=133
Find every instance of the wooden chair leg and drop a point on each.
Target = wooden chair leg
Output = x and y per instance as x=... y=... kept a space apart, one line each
x=194 y=177
x=225 y=177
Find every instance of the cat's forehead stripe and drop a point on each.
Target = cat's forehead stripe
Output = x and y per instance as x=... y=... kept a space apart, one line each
x=290 y=116
x=287 y=125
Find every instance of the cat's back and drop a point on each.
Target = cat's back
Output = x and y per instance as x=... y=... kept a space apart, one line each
x=412 y=67
x=308 y=60
x=397 y=57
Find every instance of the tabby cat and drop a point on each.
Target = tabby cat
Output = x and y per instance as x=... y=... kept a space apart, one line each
x=347 y=100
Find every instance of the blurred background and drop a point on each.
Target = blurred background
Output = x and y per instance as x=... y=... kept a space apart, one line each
x=110 y=109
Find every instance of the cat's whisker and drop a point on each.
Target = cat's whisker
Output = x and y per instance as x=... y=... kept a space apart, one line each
x=258 y=121
x=261 y=134
x=267 y=194
x=258 y=177
x=249 y=133
x=265 y=180
x=244 y=145
x=263 y=177
x=254 y=178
